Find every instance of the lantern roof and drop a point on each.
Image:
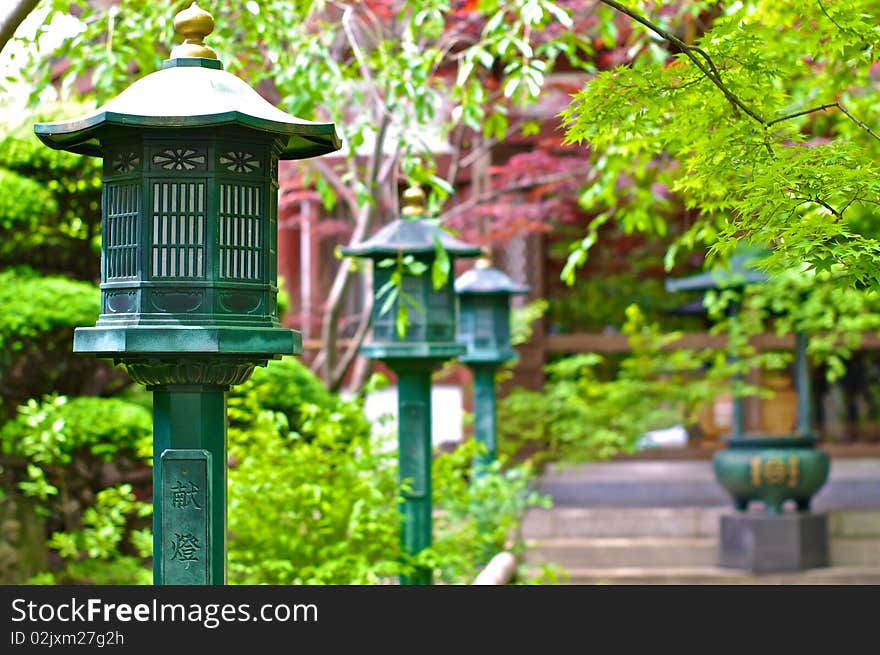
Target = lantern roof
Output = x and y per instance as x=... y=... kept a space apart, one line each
x=413 y=233
x=191 y=91
x=739 y=273
x=484 y=278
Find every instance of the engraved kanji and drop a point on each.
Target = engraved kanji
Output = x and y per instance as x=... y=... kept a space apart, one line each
x=185 y=547
x=184 y=494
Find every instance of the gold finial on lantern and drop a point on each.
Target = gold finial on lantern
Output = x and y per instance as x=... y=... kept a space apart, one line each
x=414 y=201
x=194 y=24
x=485 y=260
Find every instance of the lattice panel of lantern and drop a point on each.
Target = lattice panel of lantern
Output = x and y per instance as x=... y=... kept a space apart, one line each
x=178 y=230
x=241 y=243
x=431 y=317
x=189 y=231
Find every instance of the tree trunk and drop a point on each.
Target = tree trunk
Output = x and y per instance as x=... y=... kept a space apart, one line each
x=14 y=17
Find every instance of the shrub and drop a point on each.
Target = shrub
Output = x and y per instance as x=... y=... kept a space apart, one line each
x=292 y=391
x=37 y=318
x=78 y=459
x=317 y=504
x=581 y=416
x=310 y=511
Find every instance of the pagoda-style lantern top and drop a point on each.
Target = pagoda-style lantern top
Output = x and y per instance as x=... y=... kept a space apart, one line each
x=189 y=211
x=484 y=313
x=191 y=91
x=739 y=273
x=431 y=313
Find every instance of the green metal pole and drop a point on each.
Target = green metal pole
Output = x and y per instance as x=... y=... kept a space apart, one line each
x=802 y=384
x=189 y=484
x=414 y=457
x=737 y=419
x=484 y=414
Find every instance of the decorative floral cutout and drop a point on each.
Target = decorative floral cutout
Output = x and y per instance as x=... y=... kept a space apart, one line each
x=239 y=161
x=179 y=159
x=125 y=162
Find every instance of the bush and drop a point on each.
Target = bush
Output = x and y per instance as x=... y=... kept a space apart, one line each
x=579 y=416
x=298 y=399
x=478 y=517
x=37 y=318
x=77 y=459
x=313 y=493
x=310 y=511
x=51 y=205
x=317 y=504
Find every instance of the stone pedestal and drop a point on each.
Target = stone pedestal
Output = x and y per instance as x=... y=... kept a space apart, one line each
x=763 y=543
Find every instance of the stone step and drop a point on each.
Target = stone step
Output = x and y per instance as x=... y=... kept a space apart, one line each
x=709 y=575
x=852 y=484
x=668 y=522
x=622 y=522
x=854 y=523
x=623 y=552
x=858 y=551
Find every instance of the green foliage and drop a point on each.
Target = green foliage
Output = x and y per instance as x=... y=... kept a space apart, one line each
x=50 y=209
x=325 y=59
x=312 y=498
x=599 y=302
x=318 y=511
x=37 y=318
x=298 y=398
x=763 y=125
x=106 y=550
x=480 y=516
x=833 y=318
x=23 y=201
x=522 y=319
x=71 y=457
x=313 y=492
x=581 y=416
x=50 y=217
x=31 y=306
x=63 y=444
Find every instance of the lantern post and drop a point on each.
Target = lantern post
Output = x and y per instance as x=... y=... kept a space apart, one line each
x=428 y=341
x=484 y=329
x=189 y=270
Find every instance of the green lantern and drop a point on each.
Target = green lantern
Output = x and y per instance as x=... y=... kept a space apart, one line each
x=484 y=329
x=737 y=275
x=429 y=340
x=771 y=469
x=189 y=269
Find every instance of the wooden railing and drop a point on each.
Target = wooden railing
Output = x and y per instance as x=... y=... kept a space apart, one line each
x=618 y=343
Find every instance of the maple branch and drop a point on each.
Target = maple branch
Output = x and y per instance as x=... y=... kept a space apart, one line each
x=713 y=75
x=857 y=121
x=830 y=105
x=851 y=201
x=330 y=323
x=822 y=203
x=803 y=112
x=709 y=69
x=348 y=29
x=333 y=179
x=455 y=163
x=487 y=144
